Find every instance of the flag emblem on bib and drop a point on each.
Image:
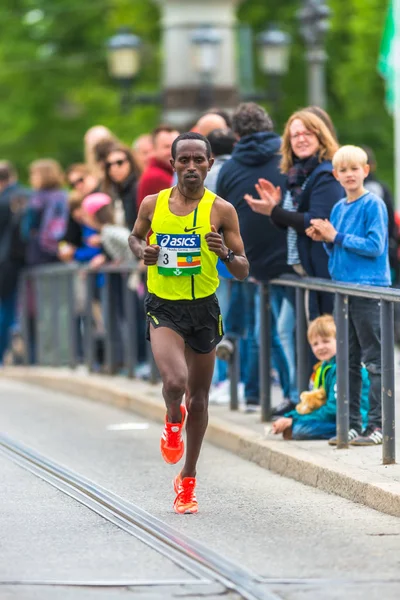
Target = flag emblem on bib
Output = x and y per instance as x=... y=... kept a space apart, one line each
x=189 y=260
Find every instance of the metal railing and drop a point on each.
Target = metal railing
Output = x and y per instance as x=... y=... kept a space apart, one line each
x=342 y=291
x=56 y=333
x=63 y=330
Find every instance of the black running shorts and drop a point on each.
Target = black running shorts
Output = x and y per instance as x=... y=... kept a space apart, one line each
x=198 y=322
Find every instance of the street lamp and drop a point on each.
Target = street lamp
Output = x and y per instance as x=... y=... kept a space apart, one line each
x=274 y=50
x=123 y=54
x=314 y=25
x=205 y=42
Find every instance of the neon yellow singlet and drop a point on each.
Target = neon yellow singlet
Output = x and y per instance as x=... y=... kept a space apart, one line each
x=186 y=268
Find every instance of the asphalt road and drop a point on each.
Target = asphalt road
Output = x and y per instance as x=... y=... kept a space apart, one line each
x=306 y=544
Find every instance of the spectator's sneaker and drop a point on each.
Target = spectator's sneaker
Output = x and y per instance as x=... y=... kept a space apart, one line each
x=172 y=446
x=225 y=349
x=353 y=434
x=251 y=408
x=283 y=408
x=185 y=502
x=370 y=437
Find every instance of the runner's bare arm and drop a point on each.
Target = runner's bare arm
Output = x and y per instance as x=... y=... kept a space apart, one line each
x=140 y=230
x=224 y=217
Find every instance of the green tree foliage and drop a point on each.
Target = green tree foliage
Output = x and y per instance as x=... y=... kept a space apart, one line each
x=355 y=90
x=53 y=78
x=54 y=84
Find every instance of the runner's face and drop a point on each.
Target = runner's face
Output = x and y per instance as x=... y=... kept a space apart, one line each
x=191 y=163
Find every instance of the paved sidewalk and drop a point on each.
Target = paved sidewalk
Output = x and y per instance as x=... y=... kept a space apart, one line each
x=356 y=473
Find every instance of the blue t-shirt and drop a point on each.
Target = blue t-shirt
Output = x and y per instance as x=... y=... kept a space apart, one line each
x=359 y=253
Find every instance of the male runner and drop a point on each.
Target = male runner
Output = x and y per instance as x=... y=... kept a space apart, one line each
x=183 y=317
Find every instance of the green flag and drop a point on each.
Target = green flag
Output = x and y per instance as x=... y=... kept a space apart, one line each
x=386 y=57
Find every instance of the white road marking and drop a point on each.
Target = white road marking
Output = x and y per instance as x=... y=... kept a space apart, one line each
x=127 y=426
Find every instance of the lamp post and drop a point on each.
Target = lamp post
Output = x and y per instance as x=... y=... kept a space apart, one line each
x=123 y=54
x=314 y=24
x=274 y=50
x=205 y=42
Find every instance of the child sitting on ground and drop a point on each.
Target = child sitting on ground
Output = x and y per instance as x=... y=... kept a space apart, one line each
x=314 y=418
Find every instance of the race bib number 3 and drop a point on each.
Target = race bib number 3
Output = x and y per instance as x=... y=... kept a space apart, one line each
x=179 y=254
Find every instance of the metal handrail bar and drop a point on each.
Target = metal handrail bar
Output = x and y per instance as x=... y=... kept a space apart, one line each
x=318 y=284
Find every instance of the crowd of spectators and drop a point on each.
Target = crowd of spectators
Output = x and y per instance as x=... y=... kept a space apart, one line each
x=85 y=213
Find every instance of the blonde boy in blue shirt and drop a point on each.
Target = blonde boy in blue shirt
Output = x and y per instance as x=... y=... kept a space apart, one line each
x=356 y=240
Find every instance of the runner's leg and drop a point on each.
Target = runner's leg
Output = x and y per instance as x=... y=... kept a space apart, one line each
x=169 y=354
x=201 y=368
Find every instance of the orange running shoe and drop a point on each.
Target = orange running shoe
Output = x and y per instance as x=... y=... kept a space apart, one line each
x=177 y=483
x=185 y=502
x=172 y=446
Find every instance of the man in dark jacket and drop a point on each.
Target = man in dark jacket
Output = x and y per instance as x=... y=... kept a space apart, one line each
x=256 y=155
x=13 y=200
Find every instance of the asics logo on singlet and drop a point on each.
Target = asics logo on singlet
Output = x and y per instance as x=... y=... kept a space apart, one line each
x=179 y=241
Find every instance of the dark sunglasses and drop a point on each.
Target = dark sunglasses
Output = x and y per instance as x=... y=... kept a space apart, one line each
x=119 y=162
x=73 y=184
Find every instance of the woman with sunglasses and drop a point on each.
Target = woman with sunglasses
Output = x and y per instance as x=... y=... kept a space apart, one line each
x=121 y=177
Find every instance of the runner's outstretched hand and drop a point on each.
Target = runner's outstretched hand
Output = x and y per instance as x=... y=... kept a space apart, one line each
x=215 y=243
x=150 y=255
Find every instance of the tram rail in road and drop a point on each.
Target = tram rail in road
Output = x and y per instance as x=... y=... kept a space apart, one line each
x=205 y=565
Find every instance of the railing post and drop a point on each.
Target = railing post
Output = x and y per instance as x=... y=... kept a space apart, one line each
x=131 y=335
x=342 y=364
x=54 y=288
x=72 y=321
x=302 y=347
x=234 y=375
x=38 y=307
x=388 y=383
x=265 y=352
x=110 y=322
x=88 y=325
x=25 y=329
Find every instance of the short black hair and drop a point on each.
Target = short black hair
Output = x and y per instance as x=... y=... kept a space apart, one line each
x=222 y=141
x=190 y=135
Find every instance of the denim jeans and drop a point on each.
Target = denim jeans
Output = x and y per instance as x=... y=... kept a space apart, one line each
x=284 y=312
x=279 y=358
x=240 y=324
x=237 y=320
x=223 y=294
x=7 y=319
x=365 y=346
x=313 y=430
x=243 y=321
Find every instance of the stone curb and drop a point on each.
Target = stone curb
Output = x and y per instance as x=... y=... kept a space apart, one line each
x=314 y=470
